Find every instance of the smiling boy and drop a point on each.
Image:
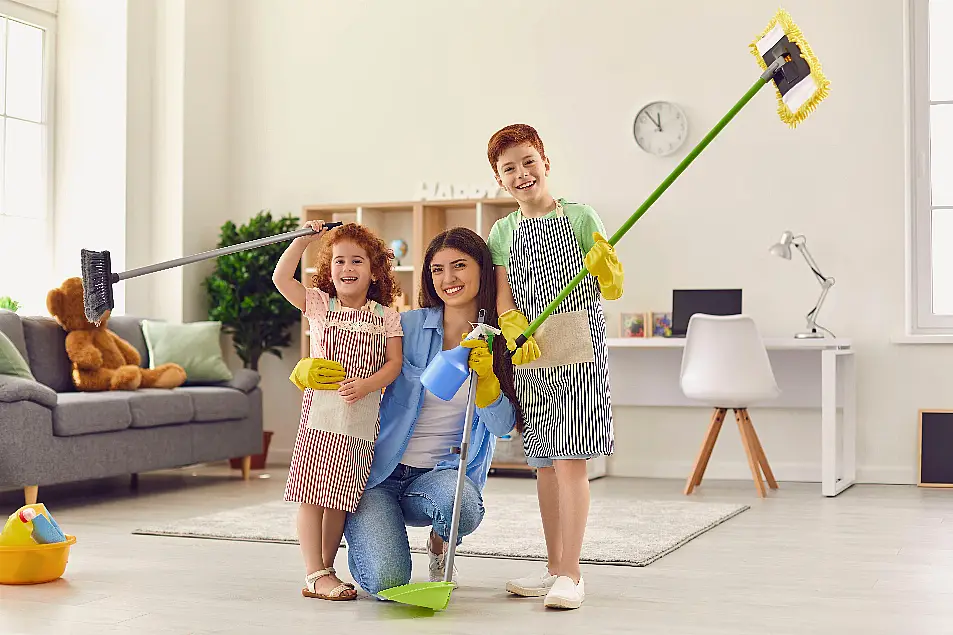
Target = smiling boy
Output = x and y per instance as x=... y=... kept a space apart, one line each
x=561 y=374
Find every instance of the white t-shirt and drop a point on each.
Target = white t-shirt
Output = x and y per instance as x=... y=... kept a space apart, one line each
x=439 y=427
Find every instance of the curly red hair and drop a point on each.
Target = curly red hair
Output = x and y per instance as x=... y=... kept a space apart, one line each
x=385 y=286
x=513 y=135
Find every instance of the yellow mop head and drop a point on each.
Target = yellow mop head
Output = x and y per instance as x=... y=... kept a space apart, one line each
x=800 y=86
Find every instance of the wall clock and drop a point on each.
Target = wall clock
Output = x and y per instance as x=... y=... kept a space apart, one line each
x=660 y=128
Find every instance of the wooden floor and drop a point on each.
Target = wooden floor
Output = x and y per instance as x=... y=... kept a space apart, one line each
x=876 y=559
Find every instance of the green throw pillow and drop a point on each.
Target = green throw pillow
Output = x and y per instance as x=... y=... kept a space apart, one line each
x=196 y=347
x=11 y=362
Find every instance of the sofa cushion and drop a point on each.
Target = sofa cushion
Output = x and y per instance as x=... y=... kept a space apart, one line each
x=153 y=407
x=46 y=353
x=130 y=329
x=195 y=346
x=12 y=327
x=12 y=362
x=213 y=403
x=87 y=412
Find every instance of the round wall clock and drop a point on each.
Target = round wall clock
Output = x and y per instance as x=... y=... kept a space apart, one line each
x=660 y=128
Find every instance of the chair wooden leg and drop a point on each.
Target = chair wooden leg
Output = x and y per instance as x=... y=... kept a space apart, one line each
x=698 y=471
x=750 y=452
x=759 y=452
x=30 y=493
x=246 y=467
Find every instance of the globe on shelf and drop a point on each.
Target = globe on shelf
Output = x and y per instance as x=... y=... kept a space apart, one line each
x=399 y=247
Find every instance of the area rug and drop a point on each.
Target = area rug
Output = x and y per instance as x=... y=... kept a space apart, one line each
x=620 y=532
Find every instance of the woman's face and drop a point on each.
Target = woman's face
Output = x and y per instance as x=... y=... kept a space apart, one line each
x=456 y=277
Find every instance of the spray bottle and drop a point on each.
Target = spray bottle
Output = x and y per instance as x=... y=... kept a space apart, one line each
x=447 y=372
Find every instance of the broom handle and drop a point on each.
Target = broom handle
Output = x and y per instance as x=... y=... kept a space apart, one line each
x=767 y=75
x=221 y=251
x=462 y=471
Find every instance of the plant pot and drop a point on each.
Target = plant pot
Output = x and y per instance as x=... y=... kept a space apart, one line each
x=258 y=461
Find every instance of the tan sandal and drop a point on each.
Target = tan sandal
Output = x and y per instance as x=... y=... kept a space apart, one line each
x=336 y=594
x=347 y=584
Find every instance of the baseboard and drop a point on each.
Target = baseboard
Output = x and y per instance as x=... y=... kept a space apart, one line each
x=738 y=470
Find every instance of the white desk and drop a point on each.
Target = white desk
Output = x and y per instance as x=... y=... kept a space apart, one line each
x=810 y=373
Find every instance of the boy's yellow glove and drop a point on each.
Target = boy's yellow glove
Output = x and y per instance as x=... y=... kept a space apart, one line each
x=317 y=373
x=481 y=362
x=601 y=261
x=513 y=323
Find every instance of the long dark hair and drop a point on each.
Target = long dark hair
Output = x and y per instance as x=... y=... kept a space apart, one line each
x=469 y=242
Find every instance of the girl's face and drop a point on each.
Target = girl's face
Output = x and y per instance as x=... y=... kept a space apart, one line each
x=523 y=173
x=456 y=277
x=350 y=269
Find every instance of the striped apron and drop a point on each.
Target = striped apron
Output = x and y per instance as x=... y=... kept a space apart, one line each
x=335 y=443
x=564 y=394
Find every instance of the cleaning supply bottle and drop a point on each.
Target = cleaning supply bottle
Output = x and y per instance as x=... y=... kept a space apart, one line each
x=448 y=371
x=18 y=530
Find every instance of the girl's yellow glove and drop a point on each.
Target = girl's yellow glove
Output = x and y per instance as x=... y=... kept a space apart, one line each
x=513 y=324
x=481 y=362
x=602 y=262
x=317 y=373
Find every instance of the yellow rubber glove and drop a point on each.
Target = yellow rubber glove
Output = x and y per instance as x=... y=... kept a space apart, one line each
x=317 y=373
x=513 y=323
x=481 y=361
x=601 y=261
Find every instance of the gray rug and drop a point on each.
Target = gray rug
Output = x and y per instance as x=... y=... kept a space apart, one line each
x=621 y=532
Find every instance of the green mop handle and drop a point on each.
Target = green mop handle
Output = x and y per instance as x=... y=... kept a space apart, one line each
x=767 y=75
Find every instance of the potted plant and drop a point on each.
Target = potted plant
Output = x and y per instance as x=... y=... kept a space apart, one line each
x=242 y=296
x=8 y=303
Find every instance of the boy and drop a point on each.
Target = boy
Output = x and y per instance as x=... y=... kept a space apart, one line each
x=562 y=380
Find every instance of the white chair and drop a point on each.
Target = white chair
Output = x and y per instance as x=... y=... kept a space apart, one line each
x=726 y=365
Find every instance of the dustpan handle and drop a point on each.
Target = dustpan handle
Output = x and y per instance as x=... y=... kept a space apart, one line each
x=762 y=80
x=215 y=253
x=462 y=469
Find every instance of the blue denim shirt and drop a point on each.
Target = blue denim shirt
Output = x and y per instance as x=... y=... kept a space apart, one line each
x=400 y=406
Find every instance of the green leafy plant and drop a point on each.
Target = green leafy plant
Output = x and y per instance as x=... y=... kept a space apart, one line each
x=242 y=295
x=8 y=303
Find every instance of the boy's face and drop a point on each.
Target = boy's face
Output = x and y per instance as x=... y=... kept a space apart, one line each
x=522 y=173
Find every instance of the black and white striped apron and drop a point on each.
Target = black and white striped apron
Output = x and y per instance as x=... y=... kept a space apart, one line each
x=565 y=402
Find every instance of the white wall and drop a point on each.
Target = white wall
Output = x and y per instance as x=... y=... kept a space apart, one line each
x=360 y=101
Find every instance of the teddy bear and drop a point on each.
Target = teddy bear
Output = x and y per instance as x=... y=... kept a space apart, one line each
x=101 y=359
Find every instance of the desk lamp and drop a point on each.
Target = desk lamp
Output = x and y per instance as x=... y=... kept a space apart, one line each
x=782 y=249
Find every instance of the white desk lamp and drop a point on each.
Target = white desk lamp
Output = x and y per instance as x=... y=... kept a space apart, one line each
x=783 y=250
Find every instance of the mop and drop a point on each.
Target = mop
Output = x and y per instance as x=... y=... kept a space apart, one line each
x=800 y=85
x=436 y=595
x=98 y=276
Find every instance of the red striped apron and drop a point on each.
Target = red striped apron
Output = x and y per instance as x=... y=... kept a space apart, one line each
x=335 y=443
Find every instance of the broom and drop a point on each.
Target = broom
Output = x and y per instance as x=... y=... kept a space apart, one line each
x=784 y=57
x=98 y=277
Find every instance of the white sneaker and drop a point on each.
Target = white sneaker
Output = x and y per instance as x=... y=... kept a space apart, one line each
x=532 y=586
x=438 y=567
x=565 y=594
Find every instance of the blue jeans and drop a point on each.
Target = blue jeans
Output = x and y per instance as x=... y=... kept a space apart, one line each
x=378 y=550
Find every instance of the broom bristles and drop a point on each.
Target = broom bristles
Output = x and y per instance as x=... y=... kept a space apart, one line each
x=821 y=90
x=97 y=284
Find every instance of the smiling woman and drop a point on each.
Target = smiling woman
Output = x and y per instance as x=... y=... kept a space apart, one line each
x=414 y=473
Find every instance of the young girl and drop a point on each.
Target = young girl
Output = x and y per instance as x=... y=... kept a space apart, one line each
x=355 y=353
x=562 y=381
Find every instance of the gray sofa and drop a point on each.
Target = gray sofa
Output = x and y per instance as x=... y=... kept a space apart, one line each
x=50 y=433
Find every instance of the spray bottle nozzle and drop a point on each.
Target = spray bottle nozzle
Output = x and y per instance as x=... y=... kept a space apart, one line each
x=482 y=330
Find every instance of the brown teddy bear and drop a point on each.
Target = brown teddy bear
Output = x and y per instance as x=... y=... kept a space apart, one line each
x=101 y=359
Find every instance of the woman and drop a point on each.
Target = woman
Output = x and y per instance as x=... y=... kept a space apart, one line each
x=414 y=473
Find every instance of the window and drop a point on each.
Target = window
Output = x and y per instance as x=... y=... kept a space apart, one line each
x=26 y=242
x=931 y=166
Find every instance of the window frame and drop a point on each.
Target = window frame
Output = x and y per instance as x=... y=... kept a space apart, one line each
x=920 y=317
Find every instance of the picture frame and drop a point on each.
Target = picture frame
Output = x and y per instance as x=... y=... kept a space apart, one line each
x=633 y=324
x=661 y=324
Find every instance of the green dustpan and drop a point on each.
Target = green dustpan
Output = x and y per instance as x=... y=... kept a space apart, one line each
x=436 y=595
x=430 y=595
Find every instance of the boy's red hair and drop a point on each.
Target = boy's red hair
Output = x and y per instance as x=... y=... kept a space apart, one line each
x=385 y=288
x=513 y=135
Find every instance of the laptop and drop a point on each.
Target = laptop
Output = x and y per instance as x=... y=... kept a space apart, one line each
x=688 y=302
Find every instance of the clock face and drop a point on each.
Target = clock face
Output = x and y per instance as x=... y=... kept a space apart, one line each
x=660 y=128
